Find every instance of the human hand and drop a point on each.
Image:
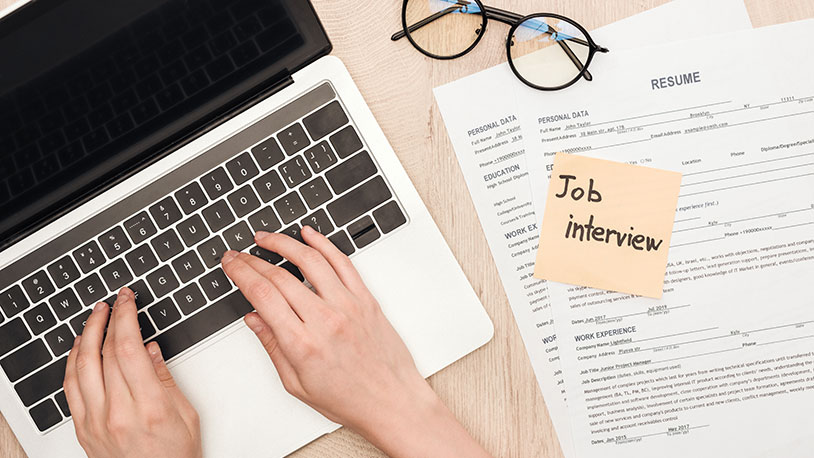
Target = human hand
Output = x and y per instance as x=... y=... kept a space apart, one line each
x=335 y=350
x=123 y=399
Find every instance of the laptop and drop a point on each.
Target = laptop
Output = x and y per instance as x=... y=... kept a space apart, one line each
x=141 y=140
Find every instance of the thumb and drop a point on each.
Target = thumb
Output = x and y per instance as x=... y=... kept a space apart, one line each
x=266 y=337
x=166 y=379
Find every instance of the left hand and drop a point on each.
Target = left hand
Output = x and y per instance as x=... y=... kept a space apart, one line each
x=123 y=399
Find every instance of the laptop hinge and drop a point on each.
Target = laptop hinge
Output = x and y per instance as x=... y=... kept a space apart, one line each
x=279 y=82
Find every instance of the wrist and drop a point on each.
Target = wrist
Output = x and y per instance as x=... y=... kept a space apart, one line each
x=418 y=424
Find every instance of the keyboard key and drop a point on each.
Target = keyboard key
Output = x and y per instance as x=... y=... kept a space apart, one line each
x=114 y=242
x=140 y=227
x=164 y=313
x=12 y=335
x=90 y=290
x=269 y=186
x=359 y=201
x=320 y=156
x=290 y=207
x=243 y=201
x=266 y=255
x=189 y=298
x=290 y=267
x=215 y=284
x=13 y=301
x=60 y=340
x=40 y=319
x=78 y=322
x=162 y=281
x=203 y=324
x=363 y=232
x=191 y=197
x=116 y=274
x=147 y=329
x=239 y=236
x=268 y=153
x=326 y=120
x=389 y=217
x=141 y=260
x=342 y=241
x=62 y=402
x=319 y=221
x=25 y=360
x=264 y=220
x=166 y=245
x=211 y=251
x=111 y=300
x=165 y=212
x=242 y=168
x=351 y=172
x=192 y=230
x=43 y=383
x=293 y=231
x=216 y=183
x=63 y=271
x=315 y=192
x=346 y=142
x=218 y=215
x=187 y=266
x=295 y=171
x=143 y=295
x=293 y=139
x=45 y=415
x=38 y=286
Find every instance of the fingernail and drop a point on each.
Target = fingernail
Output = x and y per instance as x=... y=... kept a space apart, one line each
x=155 y=351
x=99 y=306
x=228 y=256
x=261 y=235
x=76 y=341
x=308 y=229
x=254 y=323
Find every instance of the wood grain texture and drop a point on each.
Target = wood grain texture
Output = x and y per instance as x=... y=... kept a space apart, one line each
x=492 y=391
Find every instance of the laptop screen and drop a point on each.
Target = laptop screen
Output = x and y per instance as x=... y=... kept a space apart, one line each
x=92 y=90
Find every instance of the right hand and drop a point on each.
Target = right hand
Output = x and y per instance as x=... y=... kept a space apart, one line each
x=335 y=350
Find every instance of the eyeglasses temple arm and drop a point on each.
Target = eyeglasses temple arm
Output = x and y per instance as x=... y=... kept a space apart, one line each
x=400 y=34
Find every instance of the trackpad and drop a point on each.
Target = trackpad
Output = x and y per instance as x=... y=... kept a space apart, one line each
x=244 y=409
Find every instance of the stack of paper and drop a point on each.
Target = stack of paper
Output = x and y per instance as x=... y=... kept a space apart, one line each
x=723 y=363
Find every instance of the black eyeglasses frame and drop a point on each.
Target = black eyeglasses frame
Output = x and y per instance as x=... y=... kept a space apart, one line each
x=514 y=20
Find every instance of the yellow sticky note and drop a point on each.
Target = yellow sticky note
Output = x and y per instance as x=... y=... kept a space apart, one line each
x=607 y=225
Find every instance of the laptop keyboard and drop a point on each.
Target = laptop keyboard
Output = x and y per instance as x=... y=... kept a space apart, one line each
x=304 y=164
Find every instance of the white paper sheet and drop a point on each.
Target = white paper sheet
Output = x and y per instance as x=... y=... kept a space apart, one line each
x=495 y=172
x=722 y=364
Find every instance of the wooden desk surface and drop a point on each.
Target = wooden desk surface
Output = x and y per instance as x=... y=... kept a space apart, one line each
x=492 y=391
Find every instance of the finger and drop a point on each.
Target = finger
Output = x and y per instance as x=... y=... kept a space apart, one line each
x=340 y=263
x=89 y=372
x=71 y=385
x=291 y=290
x=134 y=362
x=115 y=386
x=262 y=294
x=310 y=262
x=166 y=380
x=266 y=337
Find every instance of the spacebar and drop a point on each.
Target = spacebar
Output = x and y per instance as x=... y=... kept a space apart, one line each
x=203 y=324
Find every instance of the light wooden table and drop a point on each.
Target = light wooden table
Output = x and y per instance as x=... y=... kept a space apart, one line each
x=492 y=391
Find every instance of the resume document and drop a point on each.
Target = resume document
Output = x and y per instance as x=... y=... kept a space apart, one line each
x=723 y=364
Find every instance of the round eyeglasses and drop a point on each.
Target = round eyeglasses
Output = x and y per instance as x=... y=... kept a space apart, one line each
x=545 y=51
